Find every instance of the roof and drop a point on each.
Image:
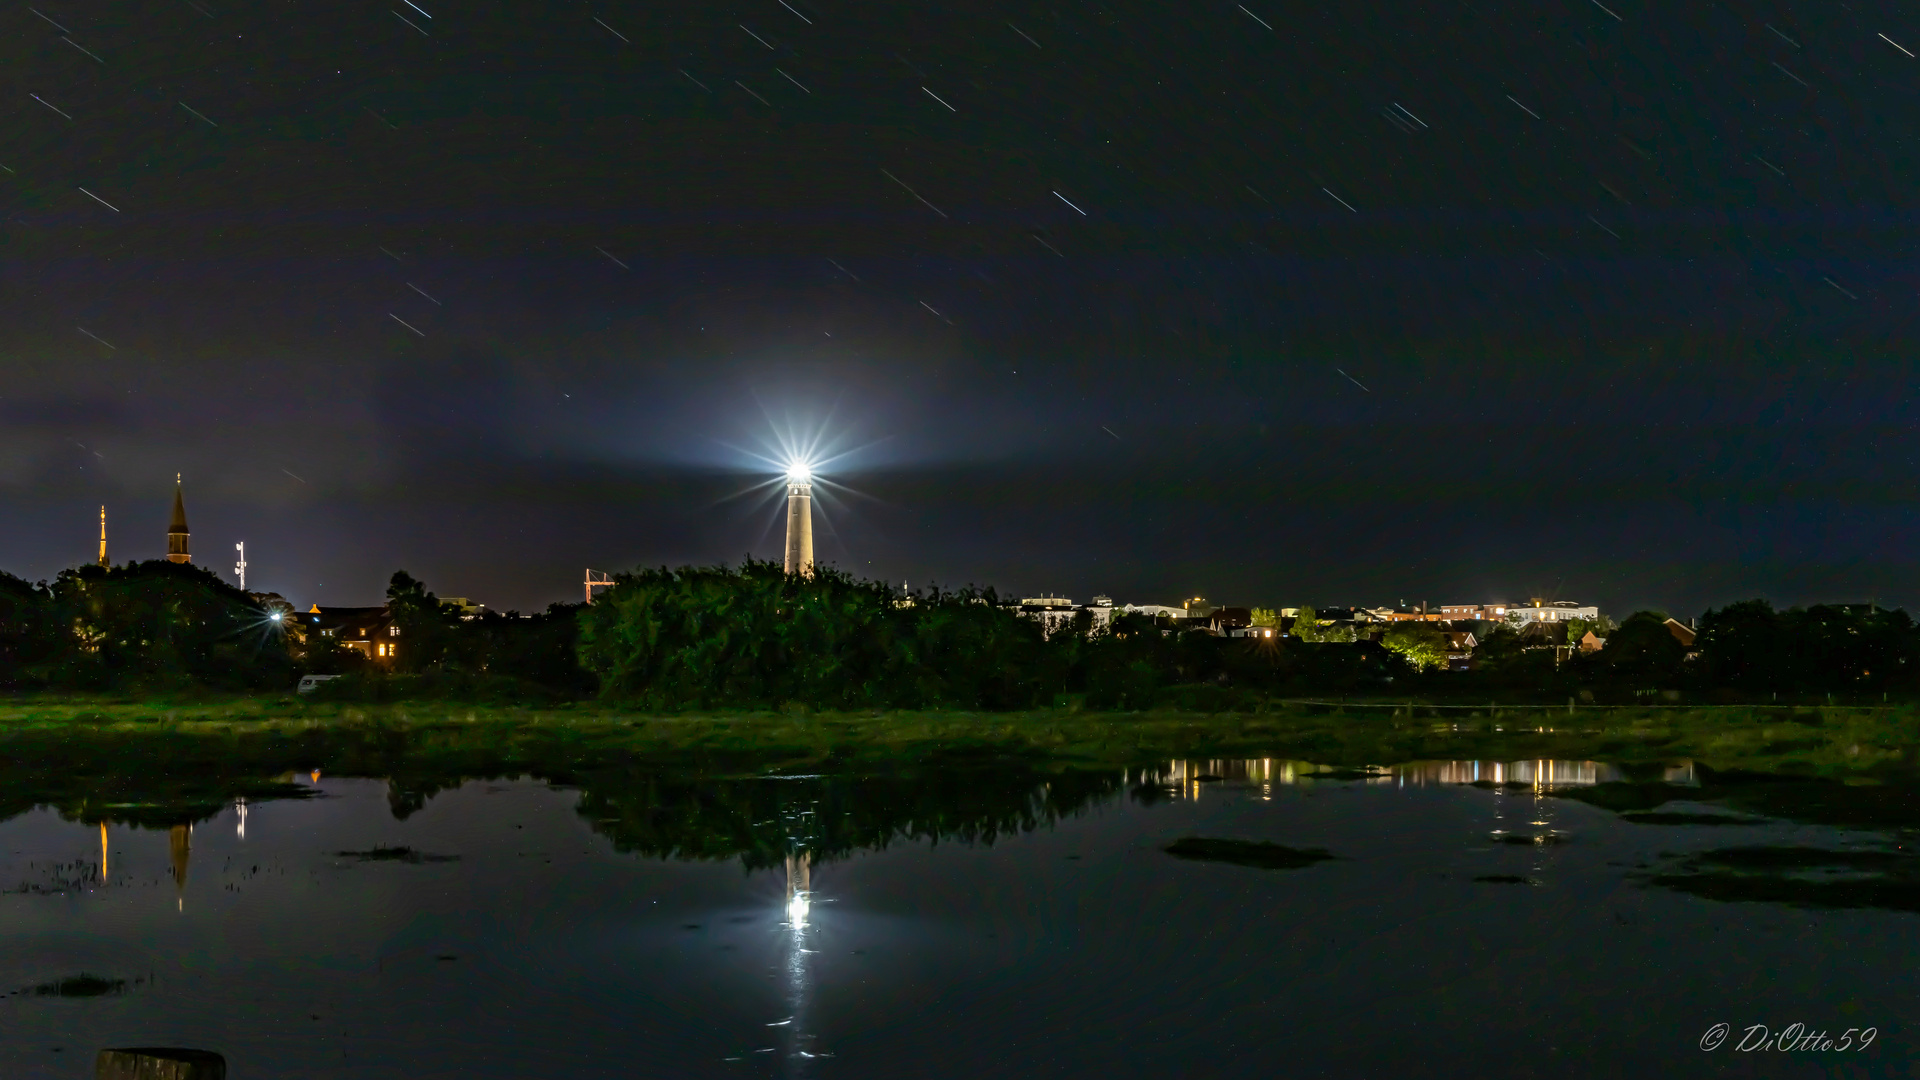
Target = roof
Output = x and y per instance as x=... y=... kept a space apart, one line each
x=179 y=523
x=347 y=616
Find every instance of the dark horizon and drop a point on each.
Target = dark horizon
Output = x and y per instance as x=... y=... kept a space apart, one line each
x=1496 y=301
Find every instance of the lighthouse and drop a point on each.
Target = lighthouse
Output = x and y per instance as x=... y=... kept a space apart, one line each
x=799 y=519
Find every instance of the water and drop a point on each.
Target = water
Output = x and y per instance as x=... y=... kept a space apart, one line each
x=997 y=921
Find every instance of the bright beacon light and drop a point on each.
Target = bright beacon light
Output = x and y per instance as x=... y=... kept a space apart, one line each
x=799 y=472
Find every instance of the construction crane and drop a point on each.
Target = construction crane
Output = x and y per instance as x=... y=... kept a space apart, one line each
x=593 y=582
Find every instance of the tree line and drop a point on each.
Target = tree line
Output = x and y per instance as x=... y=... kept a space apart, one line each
x=754 y=636
x=159 y=625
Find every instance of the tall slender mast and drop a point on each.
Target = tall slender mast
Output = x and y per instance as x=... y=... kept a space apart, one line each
x=240 y=567
x=103 y=536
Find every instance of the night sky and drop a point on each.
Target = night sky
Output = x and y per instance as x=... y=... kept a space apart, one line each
x=1331 y=303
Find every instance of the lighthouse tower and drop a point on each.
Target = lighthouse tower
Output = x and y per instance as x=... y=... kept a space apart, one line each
x=799 y=520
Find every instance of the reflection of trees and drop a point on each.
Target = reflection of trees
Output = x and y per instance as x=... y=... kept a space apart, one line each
x=761 y=820
x=146 y=780
x=670 y=809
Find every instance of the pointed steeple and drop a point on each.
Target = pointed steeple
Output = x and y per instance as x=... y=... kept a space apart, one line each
x=177 y=531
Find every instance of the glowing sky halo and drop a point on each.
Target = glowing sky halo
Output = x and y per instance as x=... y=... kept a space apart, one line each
x=797 y=448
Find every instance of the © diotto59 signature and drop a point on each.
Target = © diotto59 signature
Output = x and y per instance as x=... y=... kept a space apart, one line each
x=1794 y=1038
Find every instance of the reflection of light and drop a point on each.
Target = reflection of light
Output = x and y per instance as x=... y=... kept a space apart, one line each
x=241 y=806
x=799 y=971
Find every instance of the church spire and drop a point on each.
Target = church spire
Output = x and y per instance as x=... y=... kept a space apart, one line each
x=177 y=531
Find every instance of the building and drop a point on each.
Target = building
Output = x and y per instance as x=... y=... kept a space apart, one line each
x=1054 y=612
x=370 y=631
x=467 y=608
x=799 y=520
x=1559 y=611
x=1157 y=611
x=1534 y=610
x=1493 y=612
x=1224 y=621
x=176 y=530
x=1404 y=613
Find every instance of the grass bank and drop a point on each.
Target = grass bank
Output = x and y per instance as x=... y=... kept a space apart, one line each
x=290 y=732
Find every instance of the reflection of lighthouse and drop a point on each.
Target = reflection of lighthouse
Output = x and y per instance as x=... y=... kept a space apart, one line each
x=799 y=889
x=799 y=970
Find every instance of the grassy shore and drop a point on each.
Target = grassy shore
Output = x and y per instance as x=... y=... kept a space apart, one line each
x=728 y=785
x=342 y=737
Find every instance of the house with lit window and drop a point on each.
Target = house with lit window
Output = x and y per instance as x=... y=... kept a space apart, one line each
x=369 y=631
x=1460 y=646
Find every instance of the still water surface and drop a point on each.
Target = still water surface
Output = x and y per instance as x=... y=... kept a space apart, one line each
x=980 y=926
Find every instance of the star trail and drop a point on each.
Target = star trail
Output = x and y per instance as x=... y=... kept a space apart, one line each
x=1630 y=287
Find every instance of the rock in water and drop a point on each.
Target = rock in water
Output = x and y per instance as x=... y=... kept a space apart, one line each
x=159 y=1063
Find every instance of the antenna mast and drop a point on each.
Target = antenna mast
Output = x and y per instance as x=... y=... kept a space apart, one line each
x=240 y=567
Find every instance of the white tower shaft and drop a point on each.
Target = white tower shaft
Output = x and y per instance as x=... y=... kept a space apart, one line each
x=799 y=527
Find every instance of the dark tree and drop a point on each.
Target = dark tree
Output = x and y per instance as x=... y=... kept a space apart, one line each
x=30 y=638
x=161 y=623
x=425 y=626
x=1743 y=646
x=1642 y=652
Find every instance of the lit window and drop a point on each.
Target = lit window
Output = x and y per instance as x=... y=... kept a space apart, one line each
x=393 y=631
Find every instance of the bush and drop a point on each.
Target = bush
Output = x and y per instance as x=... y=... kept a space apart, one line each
x=758 y=637
x=151 y=624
